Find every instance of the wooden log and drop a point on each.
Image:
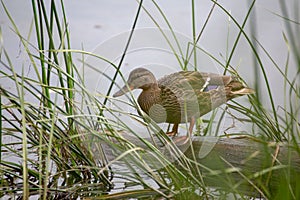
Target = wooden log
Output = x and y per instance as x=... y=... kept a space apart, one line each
x=246 y=165
x=253 y=167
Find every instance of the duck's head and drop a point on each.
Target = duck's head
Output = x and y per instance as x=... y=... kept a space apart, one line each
x=139 y=78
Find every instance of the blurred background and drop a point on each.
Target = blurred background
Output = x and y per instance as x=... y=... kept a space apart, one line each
x=103 y=27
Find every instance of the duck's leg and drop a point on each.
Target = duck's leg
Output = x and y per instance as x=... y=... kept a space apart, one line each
x=174 y=130
x=184 y=139
x=192 y=123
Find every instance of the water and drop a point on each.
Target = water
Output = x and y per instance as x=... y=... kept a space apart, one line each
x=95 y=23
x=214 y=38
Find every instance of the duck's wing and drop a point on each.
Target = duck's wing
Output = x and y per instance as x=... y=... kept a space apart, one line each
x=194 y=94
x=193 y=80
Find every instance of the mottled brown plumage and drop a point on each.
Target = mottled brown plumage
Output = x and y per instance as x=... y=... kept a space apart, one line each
x=182 y=96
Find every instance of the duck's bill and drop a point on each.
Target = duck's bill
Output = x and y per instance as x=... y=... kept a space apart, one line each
x=122 y=91
x=243 y=91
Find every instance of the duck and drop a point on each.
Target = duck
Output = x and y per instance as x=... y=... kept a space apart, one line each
x=183 y=96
